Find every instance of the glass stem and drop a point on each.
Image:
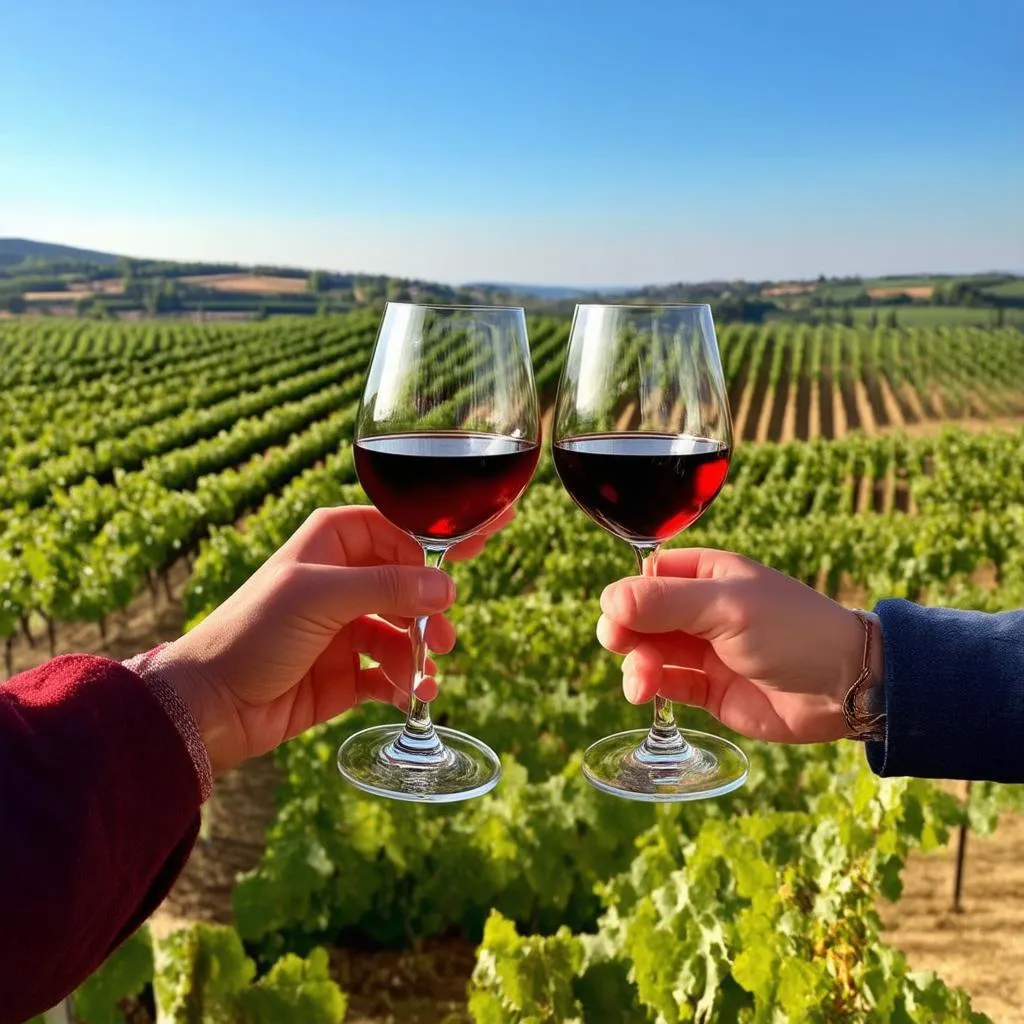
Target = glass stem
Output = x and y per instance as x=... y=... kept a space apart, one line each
x=664 y=739
x=418 y=742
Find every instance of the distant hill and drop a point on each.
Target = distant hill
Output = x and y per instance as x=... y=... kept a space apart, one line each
x=552 y=292
x=17 y=250
x=44 y=278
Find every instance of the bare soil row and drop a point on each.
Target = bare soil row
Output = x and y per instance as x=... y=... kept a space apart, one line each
x=832 y=407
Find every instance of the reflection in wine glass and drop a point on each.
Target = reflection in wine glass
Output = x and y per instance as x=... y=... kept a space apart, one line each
x=447 y=438
x=642 y=443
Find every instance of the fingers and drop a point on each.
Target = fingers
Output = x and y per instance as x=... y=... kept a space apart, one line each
x=427 y=690
x=703 y=563
x=441 y=634
x=389 y=647
x=737 y=703
x=472 y=546
x=374 y=684
x=645 y=674
x=358 y=535
x=466 y=549
x=706 y=608
x=642 y=672
x=690 y=593
x=673 y=648
x=393 y=590
x=615 y=637
x=332 y=596
x=350 y=535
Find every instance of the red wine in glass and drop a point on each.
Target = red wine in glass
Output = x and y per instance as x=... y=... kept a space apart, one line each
x=447 y=438
x=442 y=485
x=642 y=442
x=643 y=487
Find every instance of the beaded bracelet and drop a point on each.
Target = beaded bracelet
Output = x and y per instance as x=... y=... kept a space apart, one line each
x=863 y=723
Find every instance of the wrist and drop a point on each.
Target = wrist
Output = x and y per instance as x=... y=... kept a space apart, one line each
x=162 y=679
x=864 y=699
x=212 y=714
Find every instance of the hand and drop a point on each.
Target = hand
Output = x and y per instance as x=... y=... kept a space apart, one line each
x=283 y=653
x=766 y=655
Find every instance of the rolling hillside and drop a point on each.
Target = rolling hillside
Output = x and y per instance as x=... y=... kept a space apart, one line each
x=16 y=250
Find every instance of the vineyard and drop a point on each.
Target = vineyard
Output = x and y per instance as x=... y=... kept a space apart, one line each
x=134 y=455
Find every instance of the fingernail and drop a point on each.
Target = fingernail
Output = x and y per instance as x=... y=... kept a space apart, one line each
x=427 y=690
x=437 y=588
x=631 y=687
x=630 y=677
x=609 y=599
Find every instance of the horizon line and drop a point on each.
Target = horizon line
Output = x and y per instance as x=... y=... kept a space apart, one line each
x=310 y=268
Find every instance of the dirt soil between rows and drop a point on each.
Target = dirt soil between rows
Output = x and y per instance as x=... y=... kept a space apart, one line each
x=980 y=949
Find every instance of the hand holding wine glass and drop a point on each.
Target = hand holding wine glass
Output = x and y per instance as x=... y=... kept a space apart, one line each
x=286 y=650
x=643 y=439
x=722 y=632
x=447 y=439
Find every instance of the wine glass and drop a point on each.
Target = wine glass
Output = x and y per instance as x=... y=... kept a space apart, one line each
x=447 y=438
x=642 y=442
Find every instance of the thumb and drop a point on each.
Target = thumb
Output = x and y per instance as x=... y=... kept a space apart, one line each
x=348 y=592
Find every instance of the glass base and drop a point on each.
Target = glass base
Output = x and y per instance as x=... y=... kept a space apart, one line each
x=710 y=766
x=464 y=768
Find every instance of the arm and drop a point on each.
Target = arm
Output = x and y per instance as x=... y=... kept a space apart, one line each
x=99 y=803
x=773 y=659
x=954 y=693
x=102 y=768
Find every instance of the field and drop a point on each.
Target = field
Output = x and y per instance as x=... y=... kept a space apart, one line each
x=235 y=284
x=979 y=300
x=78 y=290
x=934 y=317
x=911 y=291
x=149 y=468
x=259 y=284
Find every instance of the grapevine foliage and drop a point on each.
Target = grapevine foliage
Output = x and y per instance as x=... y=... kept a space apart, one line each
x=202 y=974
x=757 y=918
x=128 y=446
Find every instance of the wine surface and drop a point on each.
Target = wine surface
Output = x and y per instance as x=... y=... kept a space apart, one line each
x=443 y=485
x=642 y=487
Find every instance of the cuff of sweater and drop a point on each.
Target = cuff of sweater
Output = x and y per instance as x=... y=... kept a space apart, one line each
x=147 y=667
x=953 y=696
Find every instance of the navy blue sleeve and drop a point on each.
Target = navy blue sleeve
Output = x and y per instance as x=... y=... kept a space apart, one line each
x=954 y=694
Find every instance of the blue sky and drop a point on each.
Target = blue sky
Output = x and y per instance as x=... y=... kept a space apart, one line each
x=539 y=141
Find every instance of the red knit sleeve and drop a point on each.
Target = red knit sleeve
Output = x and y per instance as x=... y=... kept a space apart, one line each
x=99 y=809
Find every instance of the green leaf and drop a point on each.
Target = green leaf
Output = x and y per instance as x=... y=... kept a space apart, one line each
x=198 y=973
x=204 y=977
x=531 y=978
x=295 y=990
x=890 y=884
x=802 y=988
x=125 y=973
